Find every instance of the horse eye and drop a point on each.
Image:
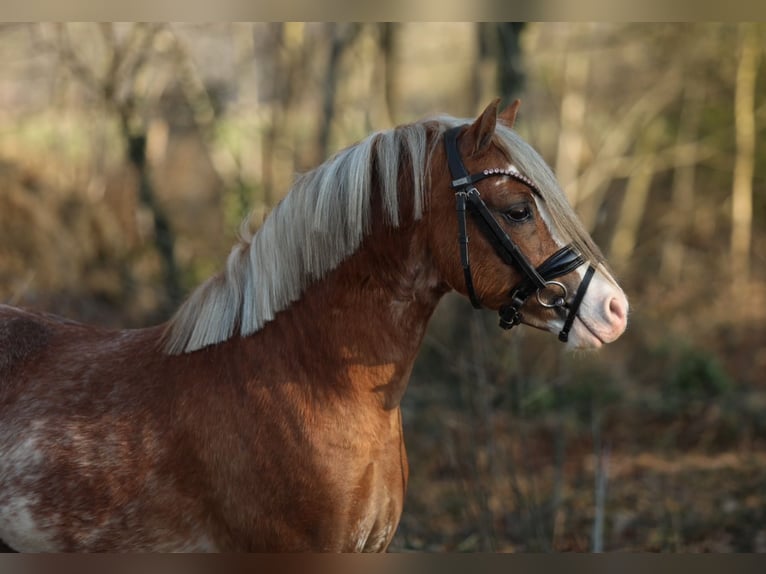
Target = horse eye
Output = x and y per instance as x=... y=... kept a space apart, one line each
x=518 y=213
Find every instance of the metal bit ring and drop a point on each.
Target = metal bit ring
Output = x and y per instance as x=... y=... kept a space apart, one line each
x=556 y=301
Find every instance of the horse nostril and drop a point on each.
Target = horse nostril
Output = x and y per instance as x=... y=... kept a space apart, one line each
x=617 y=309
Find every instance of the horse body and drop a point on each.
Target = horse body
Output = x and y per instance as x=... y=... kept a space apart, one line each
x=125 y=431
x=286 y=436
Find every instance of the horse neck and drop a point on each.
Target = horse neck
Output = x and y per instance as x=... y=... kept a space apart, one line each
x=360 y=327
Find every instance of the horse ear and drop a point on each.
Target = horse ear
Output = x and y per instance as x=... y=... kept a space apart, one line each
x=508 y=115
x=479 y=133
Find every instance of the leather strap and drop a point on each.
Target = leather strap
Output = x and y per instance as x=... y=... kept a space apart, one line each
x=464 y=259
x=574 y=306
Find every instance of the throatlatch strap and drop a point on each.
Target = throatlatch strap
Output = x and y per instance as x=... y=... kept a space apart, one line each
x=464 y=259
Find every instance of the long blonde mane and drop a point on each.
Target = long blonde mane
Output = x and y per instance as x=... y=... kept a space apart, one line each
x=322 y=221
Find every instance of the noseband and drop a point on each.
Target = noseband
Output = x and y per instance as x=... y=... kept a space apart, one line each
x=540 y=281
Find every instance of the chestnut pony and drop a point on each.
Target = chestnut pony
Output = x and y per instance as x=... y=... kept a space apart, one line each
x=265 y=414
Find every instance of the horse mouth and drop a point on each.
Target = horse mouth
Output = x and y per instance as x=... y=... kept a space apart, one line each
x=599 y=342
x=603 y=336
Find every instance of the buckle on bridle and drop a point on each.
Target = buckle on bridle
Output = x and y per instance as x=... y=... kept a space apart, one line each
x=510 y=315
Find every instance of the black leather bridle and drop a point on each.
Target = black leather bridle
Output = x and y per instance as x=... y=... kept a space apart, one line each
x=538 y=280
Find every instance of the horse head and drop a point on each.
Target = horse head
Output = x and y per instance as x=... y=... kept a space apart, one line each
x=520 y=248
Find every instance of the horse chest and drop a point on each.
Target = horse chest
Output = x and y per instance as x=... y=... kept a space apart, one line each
x=374 y=489
x=365 y=482
x=375 y=512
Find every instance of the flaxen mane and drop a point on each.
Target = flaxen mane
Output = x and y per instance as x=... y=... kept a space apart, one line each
x=322 y=221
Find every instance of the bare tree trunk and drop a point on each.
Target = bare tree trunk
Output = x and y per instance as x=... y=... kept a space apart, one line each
x=484 y=85
x=571 y=139
x=671 y=266
x=268 y=41
x=742 y=185
x=600 y=487
x=341 y=36
x=388 y=31
x=593 y=183
x=115 y=84
x=634 y=204
x=164 y=237
x=286 y=50
x=510 y=68
x=499 y=71
x=205 y=114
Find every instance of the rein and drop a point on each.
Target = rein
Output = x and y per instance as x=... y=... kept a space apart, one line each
x=536 y=280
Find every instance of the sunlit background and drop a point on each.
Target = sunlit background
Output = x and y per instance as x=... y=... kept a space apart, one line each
x=130 y=153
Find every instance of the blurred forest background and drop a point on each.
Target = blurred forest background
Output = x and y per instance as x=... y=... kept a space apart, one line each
x=130 y=153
